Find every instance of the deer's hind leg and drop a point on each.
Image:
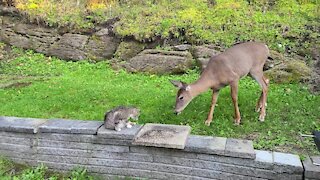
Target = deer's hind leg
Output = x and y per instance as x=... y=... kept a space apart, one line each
x=263 y=82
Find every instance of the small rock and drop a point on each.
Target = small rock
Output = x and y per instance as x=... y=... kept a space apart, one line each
x=182 y=47
x=160 y=62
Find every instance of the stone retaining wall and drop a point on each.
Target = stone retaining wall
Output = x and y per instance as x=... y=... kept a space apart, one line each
x=65 y=144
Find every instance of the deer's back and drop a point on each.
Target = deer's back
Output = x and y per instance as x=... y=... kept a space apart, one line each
x=239 y=59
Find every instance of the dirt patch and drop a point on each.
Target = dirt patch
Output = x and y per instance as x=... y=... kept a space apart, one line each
x=159 y=134
x=252 y=136
x=16 y=85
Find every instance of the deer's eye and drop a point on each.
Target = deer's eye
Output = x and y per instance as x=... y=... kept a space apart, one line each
x=181 y=97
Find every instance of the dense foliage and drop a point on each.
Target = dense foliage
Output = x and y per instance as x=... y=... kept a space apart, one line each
x=289 y=25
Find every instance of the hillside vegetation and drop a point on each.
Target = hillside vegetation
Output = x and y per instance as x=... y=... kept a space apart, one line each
x=290 y=26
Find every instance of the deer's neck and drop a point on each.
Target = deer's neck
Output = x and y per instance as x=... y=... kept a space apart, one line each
x=200 y=86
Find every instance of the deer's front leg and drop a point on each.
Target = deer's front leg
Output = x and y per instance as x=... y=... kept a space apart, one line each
x=215 y=95
x=234 y=95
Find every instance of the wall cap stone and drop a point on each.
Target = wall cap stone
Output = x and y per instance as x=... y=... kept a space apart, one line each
x=206 y=144
x=240 y=148
x=290 y=161
x=66 y=126
x=311 y=171
x=162 y=135
x=20 y=124
x=124 y=134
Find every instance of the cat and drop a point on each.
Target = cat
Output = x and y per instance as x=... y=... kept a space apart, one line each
x=118 y=117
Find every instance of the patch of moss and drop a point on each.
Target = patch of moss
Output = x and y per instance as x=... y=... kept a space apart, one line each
x=128 y=49
x=290 y=71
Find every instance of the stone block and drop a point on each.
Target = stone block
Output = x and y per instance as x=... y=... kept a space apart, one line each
x=235 y=161
x=17 y=135
x=163 y=152
x=159 y=167
x=65 y=126
x=17 y=141
x=312 y=171
x=21 y=125
x=127 y=133
x=81 y=146
x=162 y=135
x=17 y=154
x=17 y=148
x=206 y=144
x=140 y=173
x=67 y=137
x=217 y=166
x=63 y=152
x=287 y=163
x=240 y=148
x=108 y=162
x=29 y=162
x=102 y=141
x=122 y=156
x=264 y=156
x=62 y=159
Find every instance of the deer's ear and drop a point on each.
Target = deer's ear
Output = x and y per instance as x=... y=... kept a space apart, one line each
x=177 y=84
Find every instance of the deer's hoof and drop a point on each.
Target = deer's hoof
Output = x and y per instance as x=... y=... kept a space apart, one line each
x=261 y=118
x=207 y=123
x=237 y=122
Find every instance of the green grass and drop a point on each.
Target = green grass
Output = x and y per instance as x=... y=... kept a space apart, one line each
x=12 y=171
x=86 y=91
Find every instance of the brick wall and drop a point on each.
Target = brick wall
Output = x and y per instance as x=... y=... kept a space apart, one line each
x=65 y=144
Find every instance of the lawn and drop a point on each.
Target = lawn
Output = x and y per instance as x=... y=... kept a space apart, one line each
x=32 y=85
x=11 y=171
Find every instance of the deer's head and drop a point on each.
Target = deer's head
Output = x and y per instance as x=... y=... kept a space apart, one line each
x=183 y=96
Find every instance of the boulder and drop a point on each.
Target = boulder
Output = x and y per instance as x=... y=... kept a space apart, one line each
x=203 y=53
x=69 y=47
x=289 y=71
x=101 y=47
x=128 y=49
x=27 y=36
x=160 y=62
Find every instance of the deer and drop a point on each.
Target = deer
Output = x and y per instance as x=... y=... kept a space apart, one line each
x=224 y=69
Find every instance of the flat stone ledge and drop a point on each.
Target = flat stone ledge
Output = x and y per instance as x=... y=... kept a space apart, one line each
x=124 y=134
x=21 y=125
x=287 y=162
x=312 y=171
x=264 y=156
x=162 y=135
x=206 y=144
x=239 y=148
x=66 y=126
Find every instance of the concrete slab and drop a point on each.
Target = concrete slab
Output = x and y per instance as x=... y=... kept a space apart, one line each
x=312 y=171
x=240 y=148
x=264 y=156
x=161 y=135
x=21 y=125
x=67 y=126
x=206 y=144
x=315 y=160
x=124 y=134
x=288 y=163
